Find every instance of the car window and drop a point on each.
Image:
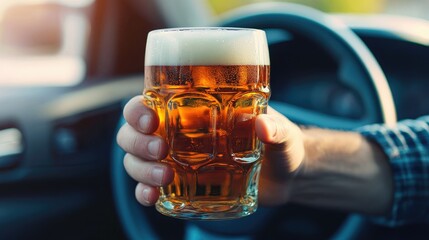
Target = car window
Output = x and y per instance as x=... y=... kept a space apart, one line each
x=42 y=42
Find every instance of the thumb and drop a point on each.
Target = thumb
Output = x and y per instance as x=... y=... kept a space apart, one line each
x=284 y=146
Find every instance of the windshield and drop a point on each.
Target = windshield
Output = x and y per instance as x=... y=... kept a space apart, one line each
x=42 y=42
x=413 y=8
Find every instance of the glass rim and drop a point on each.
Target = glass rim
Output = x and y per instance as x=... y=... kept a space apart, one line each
x=184 y=29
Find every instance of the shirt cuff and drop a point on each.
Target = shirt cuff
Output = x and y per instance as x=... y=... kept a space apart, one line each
x=409 y=161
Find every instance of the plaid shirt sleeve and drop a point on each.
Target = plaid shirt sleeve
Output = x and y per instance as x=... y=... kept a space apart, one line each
x=407 y=148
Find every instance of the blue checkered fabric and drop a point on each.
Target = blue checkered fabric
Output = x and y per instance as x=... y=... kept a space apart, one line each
x=407 y=148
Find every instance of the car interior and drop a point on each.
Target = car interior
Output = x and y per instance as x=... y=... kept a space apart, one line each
x=68 y=67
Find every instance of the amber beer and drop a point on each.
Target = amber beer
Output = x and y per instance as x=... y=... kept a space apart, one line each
x=207 y=86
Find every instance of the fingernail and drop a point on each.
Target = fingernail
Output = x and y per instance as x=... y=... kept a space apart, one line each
x=157 y=175
x=145 y=194
x=153 y=148
x=144 y=122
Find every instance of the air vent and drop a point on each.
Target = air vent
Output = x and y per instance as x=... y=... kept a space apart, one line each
x=11 y=146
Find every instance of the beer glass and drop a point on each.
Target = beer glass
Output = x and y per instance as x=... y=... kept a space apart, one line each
x=207 y=86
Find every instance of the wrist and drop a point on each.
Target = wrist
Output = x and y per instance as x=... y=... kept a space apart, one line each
x=342 y=170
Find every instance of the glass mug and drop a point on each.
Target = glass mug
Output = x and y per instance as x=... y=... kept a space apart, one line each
x=207 y=85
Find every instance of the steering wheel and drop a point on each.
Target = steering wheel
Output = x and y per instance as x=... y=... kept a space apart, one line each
x=357 y=69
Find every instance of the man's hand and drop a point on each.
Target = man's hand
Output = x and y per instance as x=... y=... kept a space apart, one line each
x=144 y=149
x=317 y=167
x=284 y=153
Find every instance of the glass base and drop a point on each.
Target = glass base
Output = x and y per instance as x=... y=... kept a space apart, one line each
x=202 y=210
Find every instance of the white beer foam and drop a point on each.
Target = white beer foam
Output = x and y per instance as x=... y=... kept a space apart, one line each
x=204 y=46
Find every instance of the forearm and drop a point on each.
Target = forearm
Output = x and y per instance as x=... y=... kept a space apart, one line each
x=343 y=170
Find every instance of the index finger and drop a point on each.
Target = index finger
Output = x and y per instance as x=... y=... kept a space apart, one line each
x=141 y=117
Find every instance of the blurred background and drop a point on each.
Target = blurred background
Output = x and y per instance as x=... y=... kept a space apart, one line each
x=415 y=8
x=43 y=42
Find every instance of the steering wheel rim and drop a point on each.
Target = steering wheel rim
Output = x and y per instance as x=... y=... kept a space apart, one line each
x=356 y=61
